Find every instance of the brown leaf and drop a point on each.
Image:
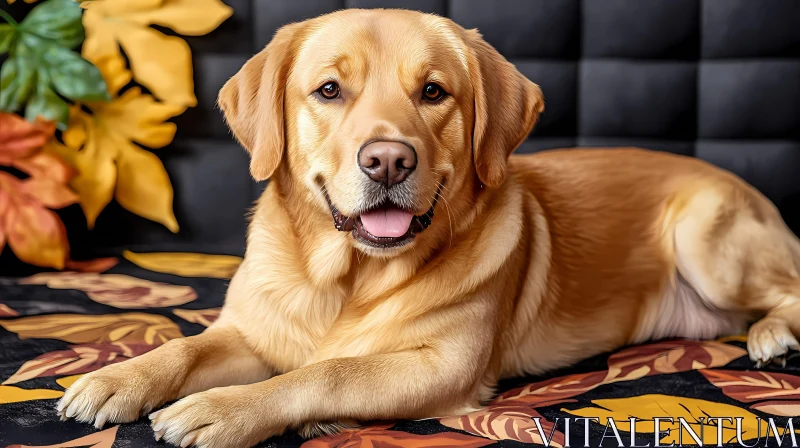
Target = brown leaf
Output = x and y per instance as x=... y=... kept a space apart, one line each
x=96 y=265
x=102 y=439
x=380 y=436
x=5 y=311
x=134 y=328
x=782 y=390
x=78 y=359
x=202 y=317
x=669 y=357
x=20 y=138
x=510 y=421
x=116 y=290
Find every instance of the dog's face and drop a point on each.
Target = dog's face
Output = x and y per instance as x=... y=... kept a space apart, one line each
x=380 y=116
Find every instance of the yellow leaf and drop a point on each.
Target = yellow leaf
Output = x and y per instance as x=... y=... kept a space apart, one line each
x=161 y=63
x=186 y=264
x=101 y=147
x=13 y=394
x=82 y=328
x=68 y=381
x=143 y=186
x=648 y=407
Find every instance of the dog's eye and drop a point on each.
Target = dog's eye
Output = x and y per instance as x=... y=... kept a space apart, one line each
x=432 y=92
x=329 y=90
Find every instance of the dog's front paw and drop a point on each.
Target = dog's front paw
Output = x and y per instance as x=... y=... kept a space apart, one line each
x=115 y=394
x=217 y=418
x=769 y=340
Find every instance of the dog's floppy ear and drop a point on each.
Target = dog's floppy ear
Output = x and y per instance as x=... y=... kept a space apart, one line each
x=252 y=102
x=507 y=106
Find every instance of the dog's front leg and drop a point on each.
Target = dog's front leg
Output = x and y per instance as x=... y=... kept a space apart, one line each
x=122 y=392
x=438 y=378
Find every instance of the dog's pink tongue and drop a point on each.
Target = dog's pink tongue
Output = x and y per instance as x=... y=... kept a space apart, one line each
x=387 y=223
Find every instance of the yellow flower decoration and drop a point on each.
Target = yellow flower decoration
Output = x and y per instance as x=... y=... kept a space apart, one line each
x=162 y=64
x=102 y=146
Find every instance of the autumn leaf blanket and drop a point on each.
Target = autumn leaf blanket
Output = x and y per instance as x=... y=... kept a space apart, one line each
x=55 y=327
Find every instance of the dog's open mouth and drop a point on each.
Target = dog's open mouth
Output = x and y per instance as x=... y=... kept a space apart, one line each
x=384 y=226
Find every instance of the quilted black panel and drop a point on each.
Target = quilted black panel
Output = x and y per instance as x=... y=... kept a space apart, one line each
x=716 y=79
x=653 y=29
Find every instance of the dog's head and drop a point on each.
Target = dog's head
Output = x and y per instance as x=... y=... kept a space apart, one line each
x=380 y=116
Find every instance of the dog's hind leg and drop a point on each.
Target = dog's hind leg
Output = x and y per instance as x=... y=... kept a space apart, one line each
x=734 y=249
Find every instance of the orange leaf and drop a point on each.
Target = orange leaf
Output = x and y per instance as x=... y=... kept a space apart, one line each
x=5 y=311
x=78 y=359
x=46 y=165
x=116 y=290
x=36 y=235
x=102 y=439
x=97 y=265
x=669 y=357
x=48 y=192
x=5 y=205
x=554 y=390
x=20 y=138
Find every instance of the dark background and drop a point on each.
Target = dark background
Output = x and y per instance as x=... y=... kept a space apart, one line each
x=714 y=79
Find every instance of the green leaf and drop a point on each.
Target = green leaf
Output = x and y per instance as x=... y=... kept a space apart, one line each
x=47 y=104
x=17 y=80
x=7 y=33
x=74 y=77
x=58 y=20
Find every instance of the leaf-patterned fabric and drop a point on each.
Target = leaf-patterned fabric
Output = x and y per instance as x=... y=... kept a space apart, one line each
x=55 y=327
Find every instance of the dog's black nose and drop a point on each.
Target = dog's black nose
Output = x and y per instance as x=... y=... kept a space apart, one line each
x=387 y=162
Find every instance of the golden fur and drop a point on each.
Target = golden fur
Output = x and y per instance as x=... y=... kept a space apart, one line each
x=531 y=263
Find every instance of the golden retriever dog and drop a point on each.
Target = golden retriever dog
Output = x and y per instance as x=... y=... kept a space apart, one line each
x=401 y=261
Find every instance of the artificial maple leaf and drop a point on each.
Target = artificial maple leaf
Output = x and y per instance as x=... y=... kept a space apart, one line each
x=161 y=63
x=35 y=234
x=102 y=147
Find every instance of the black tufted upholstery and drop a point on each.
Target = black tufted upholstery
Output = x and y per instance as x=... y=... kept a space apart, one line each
x=715 y=79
